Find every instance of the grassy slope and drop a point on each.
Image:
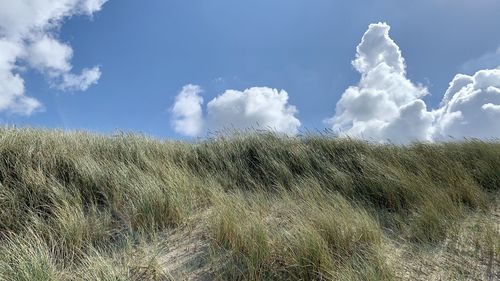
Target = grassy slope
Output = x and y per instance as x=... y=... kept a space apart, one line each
x=78 y=206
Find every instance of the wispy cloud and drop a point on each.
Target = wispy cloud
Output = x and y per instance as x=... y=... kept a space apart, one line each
x=486 y=61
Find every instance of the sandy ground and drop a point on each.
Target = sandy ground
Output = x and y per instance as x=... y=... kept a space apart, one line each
x=464 y=255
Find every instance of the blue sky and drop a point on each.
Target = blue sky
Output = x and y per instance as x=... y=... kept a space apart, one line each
x=148 y=50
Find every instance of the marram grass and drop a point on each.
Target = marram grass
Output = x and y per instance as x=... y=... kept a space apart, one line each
x=257 y=206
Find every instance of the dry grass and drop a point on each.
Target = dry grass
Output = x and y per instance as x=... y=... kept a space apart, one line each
x=79 y=206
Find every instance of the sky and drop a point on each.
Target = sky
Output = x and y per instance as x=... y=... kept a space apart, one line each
x=398 y=70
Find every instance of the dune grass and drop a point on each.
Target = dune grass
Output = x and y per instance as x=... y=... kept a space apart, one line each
x=81 y=206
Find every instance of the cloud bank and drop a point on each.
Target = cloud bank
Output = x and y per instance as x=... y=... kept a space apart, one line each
x=255 y=108
x=386 y=105
x=28 y=39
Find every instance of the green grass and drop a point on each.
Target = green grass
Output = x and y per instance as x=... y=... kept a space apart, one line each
x=81 y=206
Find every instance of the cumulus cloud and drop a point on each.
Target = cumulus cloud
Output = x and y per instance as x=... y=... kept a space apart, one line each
x=258 y=107
x=49 y=54
x=254 y=108
x=28 y=39
x=384 y=99
x=471 y=107
x=386 y=105
x=187 y=112
x=11 y=84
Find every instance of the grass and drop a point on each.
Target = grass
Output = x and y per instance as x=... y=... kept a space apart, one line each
x=81 y=206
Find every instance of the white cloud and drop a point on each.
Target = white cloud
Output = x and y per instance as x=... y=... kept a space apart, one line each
x=187 y=113
x=384 y=99
x=11 y=84
x=28 y=38
x=25 y=106
x=92 y=6
x=258 y=108
x=413 y=123
x=254 y=108
x=21 y=18
x=471 y=107
x=48 y=54
x=377 y=48
x=72 y=82
x=460 y=81
x=386 y=105
x=488 y=60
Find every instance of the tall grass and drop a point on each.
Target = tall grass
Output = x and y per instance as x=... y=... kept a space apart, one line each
x=80 y=205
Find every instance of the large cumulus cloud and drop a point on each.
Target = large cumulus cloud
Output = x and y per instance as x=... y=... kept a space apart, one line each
x=471 y=107
x=28 y=39
x=385 y=101
x=254 y=108
x=386 y=105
